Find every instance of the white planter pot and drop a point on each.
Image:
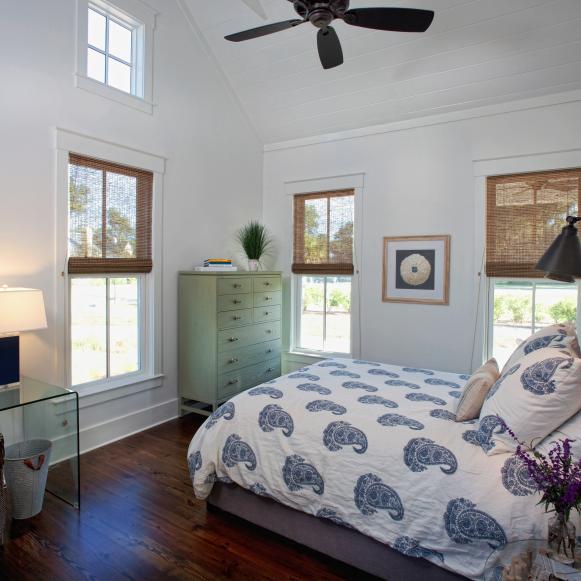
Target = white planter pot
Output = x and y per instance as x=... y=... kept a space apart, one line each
x=252 y=265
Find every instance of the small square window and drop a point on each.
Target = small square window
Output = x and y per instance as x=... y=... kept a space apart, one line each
x=114 y=47
x=110 y=51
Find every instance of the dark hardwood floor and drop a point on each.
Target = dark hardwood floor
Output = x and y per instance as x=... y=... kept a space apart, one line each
x=139 y=520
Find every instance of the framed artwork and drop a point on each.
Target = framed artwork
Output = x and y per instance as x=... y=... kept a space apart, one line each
x=416 y=269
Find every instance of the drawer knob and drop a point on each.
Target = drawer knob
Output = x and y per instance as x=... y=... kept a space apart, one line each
x=233 y=382
x=236 y=318
x=234 y=360
x=269 y=350
x=236 y=285
x=236 y=301
x=266 y=313
x=269 y=330
x=266 y=284
x=232 y=339
x=267 y=298
x=269 y=370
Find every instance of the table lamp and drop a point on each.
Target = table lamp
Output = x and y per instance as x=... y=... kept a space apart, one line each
x=21 y=309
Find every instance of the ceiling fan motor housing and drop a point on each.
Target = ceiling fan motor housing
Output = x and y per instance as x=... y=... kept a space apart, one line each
x=320 y=14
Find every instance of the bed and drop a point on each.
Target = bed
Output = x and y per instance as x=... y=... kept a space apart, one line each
x=364 y=461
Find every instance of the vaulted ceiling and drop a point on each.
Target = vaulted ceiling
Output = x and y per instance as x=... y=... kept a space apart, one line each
x=477 y=52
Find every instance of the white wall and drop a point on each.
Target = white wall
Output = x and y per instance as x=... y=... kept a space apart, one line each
x=418 y=181
x=212 y=181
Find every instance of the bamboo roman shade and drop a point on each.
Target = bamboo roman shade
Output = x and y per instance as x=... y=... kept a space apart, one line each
x=110 y=208
x=323 y=233
x=525 y=212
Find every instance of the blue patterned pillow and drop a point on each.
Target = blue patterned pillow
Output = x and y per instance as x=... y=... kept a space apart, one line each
x=558 y=335
x=535 y=397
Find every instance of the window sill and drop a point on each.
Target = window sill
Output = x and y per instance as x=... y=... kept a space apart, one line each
x=88 y=84
x=140 y=381
x=317 y=354
x=100 y=392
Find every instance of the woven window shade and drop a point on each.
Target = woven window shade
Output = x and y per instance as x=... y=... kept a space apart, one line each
x=109 y=217
x=323 y=233
x=525 y=212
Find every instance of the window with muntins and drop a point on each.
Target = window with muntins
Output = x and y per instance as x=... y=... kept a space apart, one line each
x=113 y=50
x=109 y=237
x=525 y=212
x=323 y=265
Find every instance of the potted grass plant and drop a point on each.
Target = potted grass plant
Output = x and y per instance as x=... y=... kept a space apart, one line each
x=255 y=241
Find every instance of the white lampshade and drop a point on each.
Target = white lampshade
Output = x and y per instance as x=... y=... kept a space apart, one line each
x=21 y=309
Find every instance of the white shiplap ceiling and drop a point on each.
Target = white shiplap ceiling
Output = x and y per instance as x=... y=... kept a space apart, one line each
x=477 y=52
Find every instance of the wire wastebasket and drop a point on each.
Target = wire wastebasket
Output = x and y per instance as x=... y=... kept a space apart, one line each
x=26 y=469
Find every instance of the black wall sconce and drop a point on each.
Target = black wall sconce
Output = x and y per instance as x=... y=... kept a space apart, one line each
x=562 y=260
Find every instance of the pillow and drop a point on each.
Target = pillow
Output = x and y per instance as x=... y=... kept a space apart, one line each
x=571 y=429
x=475 y=391
x=559 y=335
x=534 y=397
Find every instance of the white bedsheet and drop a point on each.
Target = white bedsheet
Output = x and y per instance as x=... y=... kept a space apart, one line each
x=374 y=447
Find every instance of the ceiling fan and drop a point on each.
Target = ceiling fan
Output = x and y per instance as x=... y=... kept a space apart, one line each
x=322 y=13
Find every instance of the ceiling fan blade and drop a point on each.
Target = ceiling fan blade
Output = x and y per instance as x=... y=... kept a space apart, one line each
x=330 y=51
x=263 y=30
x=396 y=19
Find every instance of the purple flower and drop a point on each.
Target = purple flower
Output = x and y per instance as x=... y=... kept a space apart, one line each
x=556 y=475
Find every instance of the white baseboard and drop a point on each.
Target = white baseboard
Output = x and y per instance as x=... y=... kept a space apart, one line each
x=120 y=427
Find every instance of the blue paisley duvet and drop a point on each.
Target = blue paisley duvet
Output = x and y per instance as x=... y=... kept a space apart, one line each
x=375 y=447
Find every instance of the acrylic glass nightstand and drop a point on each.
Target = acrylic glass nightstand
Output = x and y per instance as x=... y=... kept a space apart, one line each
x=37 y=410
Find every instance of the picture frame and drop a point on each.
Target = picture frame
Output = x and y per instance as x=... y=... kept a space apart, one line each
x=416 y=269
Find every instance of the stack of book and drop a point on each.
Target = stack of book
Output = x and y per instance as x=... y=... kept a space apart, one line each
x=217 y=265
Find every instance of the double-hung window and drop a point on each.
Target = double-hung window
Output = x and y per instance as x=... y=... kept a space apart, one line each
x=323 y=268
x=525 y=212
x=110 y=243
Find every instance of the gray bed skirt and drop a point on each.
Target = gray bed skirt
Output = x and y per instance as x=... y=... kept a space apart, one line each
x=341 y=543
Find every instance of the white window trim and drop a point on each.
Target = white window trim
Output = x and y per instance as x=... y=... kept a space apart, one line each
x=67 y=142
x=355 y=182
x=130 y=11
x=482 y=168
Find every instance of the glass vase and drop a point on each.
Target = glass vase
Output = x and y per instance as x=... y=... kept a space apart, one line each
x=562 y=538
x=252 y=265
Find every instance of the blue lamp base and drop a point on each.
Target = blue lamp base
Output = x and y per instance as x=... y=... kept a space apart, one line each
x=9 y=360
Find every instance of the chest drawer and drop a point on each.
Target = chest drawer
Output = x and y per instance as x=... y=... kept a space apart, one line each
x=231 y=383
x=266 y=371
x=266 y=299
x=268 y=313
x=232 y=286
x=244 y=336
x=237 y=381
x=237 y=358
x=229 y=319
x=266 y=283
x=234 y=302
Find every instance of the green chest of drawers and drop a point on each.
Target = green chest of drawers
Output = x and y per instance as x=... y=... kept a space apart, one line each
x=229 y=335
